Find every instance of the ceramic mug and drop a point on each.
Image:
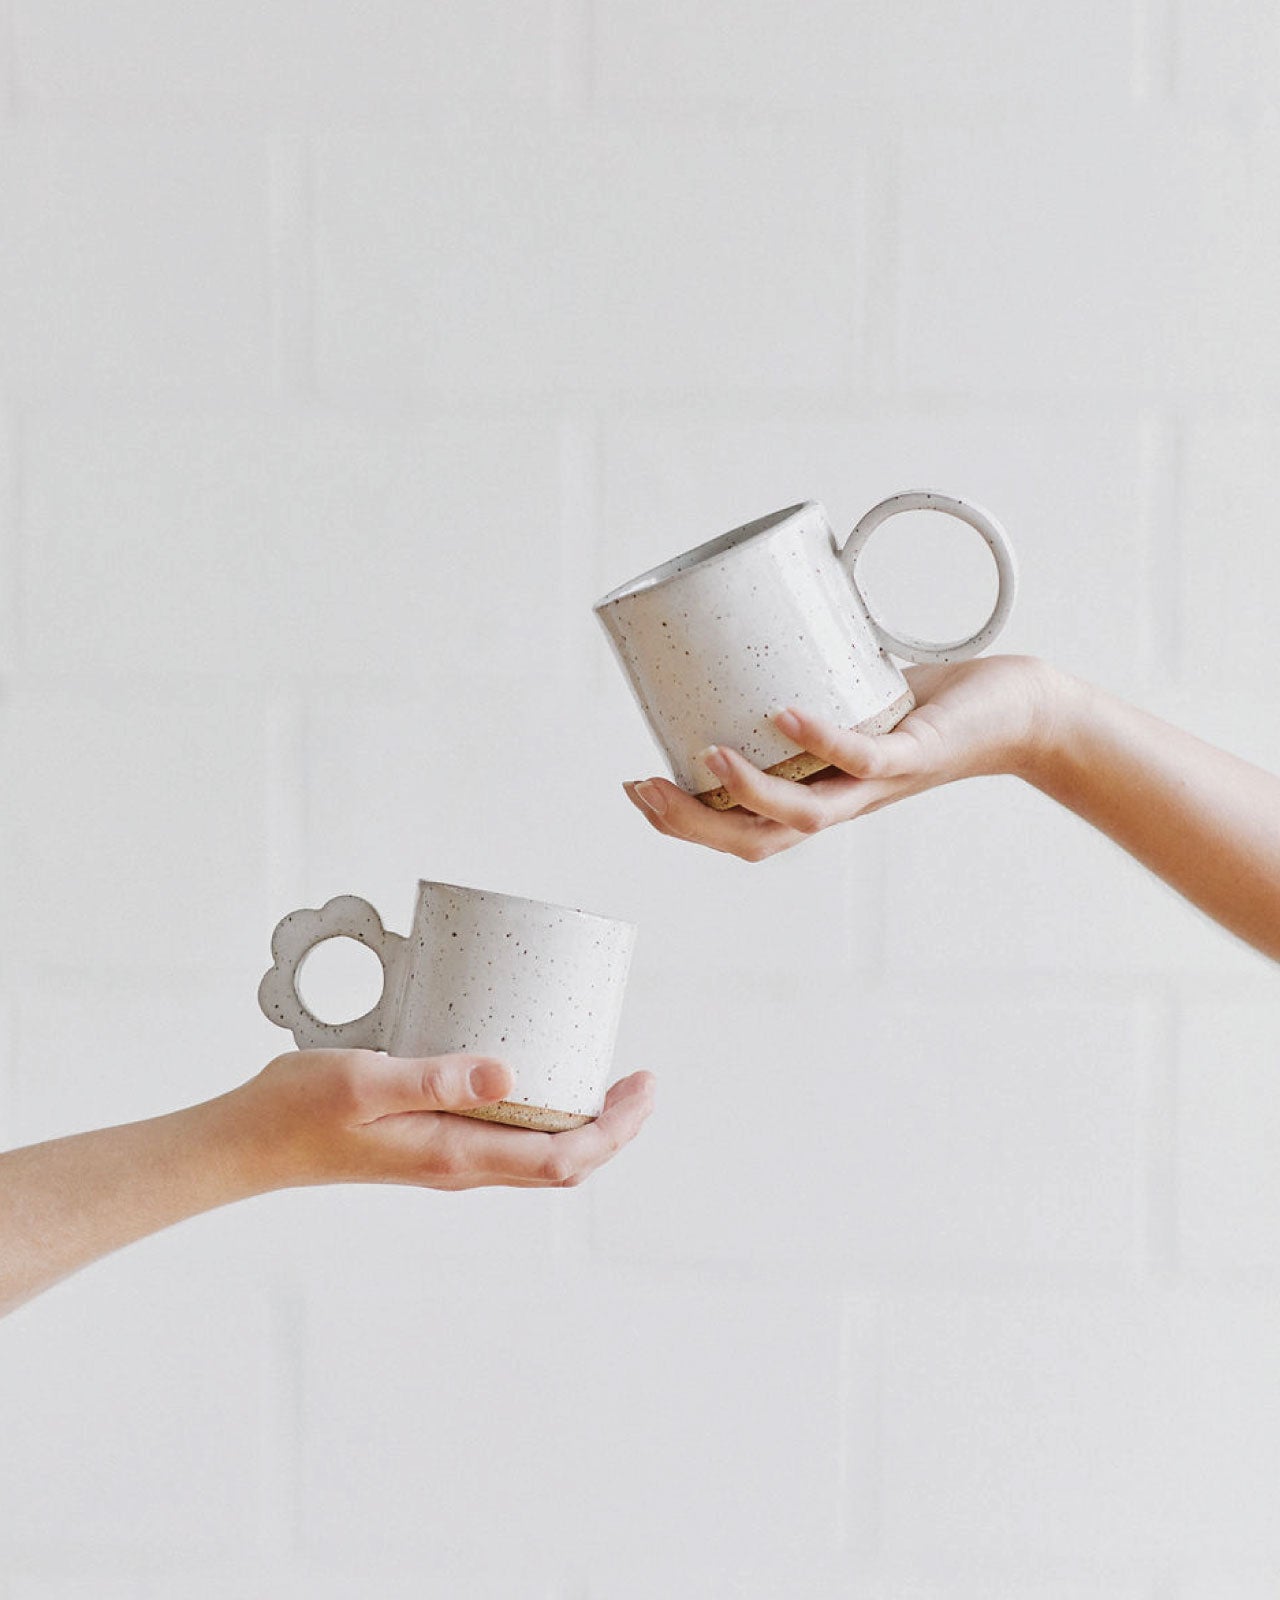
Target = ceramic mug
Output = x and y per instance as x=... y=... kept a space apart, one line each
x=538 y=986
x=718 y=639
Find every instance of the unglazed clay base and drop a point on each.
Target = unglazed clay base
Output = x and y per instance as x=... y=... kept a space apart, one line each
x=522 y=1116
x=799 y=767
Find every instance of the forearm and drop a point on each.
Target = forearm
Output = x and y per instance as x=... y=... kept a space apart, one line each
x=1205 y=821
x=65 y=1203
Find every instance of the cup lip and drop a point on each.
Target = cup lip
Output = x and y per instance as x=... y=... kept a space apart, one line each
x=528 y=900
x=712 y=553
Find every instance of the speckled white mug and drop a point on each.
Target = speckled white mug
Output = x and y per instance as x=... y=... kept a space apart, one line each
x=538 y=986
x=718 y=639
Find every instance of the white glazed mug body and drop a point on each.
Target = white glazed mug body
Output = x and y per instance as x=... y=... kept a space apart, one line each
x=716 y=641
x=537 y=986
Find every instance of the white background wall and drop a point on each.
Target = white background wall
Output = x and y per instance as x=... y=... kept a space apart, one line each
x=347 y=351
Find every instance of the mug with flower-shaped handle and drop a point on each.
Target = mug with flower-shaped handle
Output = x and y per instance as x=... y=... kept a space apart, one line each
x=538 y=986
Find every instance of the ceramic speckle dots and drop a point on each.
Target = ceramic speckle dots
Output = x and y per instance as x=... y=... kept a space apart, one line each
x=538 y=986
x=716 y=640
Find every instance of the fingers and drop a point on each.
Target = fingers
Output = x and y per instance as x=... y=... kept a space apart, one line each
x=517 y=1157
x=626 y=1110
x=861 y=755
x=392 y=1085
x=739 y=833
x=793 y=805
x=772 y=814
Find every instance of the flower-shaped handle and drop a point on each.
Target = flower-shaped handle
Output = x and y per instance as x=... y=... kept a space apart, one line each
x=346 y=917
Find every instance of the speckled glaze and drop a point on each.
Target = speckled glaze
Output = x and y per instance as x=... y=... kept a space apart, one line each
x=769 y=615
x=539 y=986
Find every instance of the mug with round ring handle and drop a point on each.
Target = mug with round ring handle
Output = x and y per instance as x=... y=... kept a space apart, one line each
x=537 y=986
x=716 y=640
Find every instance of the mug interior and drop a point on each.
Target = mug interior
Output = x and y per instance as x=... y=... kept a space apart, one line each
x=702 y=554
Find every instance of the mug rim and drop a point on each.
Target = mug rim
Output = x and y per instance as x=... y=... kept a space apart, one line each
x=711 y=553
x=528 y=900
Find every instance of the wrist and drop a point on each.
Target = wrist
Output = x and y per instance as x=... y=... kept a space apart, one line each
x=1056 y=711
x=239 y=1160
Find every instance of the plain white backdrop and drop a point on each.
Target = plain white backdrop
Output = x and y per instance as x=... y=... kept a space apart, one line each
x=348 y=351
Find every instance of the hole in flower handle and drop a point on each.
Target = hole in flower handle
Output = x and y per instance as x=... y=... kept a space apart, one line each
x=295 y=936
x=925 y=651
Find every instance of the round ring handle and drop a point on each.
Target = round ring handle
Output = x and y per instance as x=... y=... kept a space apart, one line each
x=295 y=936
x=922 y=650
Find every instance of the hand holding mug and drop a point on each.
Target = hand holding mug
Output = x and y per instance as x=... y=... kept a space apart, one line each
x=971 y=719
x=358 y=1116
x=716 y=641
x=318 y=1116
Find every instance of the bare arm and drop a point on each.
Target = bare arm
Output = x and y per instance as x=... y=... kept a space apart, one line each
x=307 y=1118
x=1205 y=821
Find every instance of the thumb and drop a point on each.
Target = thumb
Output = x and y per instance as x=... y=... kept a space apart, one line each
x=441 y=1083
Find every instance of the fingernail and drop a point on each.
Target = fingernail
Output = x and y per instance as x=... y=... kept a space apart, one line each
x=788 y=722
x=488 y=1081
x=653 y=797
x=714 y=758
